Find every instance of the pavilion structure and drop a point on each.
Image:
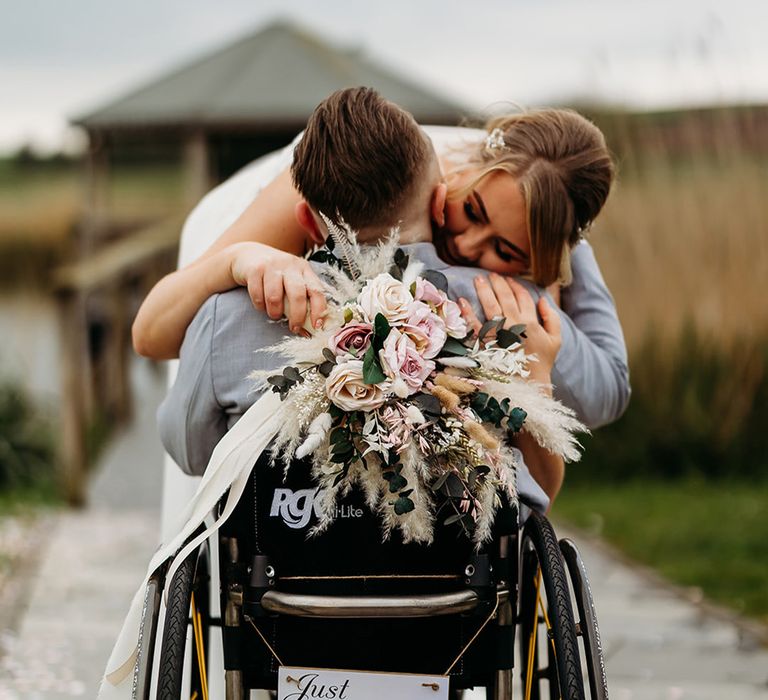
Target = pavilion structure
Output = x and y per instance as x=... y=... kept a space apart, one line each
x=234 y=104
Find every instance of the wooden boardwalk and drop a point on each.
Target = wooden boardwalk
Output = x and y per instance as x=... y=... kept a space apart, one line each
x=658 y=645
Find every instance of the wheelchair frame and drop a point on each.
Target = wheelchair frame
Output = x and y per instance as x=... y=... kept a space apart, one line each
x=528 y=580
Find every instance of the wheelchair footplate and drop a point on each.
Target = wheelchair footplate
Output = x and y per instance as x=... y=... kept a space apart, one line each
x=335 y=684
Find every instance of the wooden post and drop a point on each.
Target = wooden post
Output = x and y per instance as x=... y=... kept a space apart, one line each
x=97 y=174
x=73 y=457
x=117 y=354
x=197 y=169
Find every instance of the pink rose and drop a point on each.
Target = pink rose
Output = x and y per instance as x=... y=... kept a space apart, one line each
x=427 y=292
x=400 y=360
x=353 y=338
x=455 y=325
x=426 y=329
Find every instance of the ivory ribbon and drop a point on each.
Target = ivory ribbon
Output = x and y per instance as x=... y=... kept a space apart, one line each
x=229 y=468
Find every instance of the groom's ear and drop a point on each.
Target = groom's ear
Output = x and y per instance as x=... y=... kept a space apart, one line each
x=307 y=221
x=437 y=205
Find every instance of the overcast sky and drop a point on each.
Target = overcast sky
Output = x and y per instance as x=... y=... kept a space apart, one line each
x=59 y=58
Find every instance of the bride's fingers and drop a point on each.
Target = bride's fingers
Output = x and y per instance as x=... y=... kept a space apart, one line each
x=256 y=289
x=296 y=301
x=550 y=320
x=468 y=314
x=510 y=308
x=487 y=297
x=273 y=293
x=317 y=302
x=525 y=303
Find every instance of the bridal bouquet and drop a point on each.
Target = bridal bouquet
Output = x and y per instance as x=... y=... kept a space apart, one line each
x=396 y=396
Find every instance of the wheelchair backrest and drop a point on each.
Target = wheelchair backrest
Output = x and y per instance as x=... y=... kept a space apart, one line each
x=276 y=515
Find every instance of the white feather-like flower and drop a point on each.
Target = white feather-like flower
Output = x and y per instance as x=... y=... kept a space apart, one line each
x=458 y=362
x=414 y=415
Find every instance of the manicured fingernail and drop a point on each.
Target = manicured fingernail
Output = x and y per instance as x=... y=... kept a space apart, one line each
x=318 y=324
x=480 y=279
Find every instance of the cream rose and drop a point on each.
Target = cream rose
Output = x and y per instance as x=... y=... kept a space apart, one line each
x=455 y=325
x=385 y=295
x=346 y=389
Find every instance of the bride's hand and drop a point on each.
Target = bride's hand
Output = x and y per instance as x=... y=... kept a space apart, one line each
x=504 y=296
x=279 y=283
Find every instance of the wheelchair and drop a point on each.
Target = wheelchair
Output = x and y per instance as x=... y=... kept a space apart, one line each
x=345 y=599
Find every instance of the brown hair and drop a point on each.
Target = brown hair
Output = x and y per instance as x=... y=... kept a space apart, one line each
x=360 y=158
x=564 y=170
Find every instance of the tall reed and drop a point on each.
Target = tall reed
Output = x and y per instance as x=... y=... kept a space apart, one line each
x=683 y=244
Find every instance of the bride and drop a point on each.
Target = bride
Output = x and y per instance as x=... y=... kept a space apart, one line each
x=521 y=194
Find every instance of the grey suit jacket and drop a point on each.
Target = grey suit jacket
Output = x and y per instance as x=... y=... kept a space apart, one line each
x=212 y=391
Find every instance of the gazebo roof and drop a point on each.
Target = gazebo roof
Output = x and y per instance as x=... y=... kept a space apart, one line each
x=272 y=78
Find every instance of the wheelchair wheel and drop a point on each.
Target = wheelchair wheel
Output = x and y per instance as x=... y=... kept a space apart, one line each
x=549 y=648
x=587 y=626
x=190 y=584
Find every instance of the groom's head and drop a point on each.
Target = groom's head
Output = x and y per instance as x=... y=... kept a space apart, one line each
x=365 y=160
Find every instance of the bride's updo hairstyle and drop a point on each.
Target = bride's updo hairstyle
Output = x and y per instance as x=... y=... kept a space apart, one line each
x=564 y=170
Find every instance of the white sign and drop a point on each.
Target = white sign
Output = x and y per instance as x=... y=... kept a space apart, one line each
x=333 y=684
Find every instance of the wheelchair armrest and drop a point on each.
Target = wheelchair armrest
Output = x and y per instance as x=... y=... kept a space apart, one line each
x=427 y=605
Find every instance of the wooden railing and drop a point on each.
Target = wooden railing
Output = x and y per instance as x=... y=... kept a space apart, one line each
x=97 y=298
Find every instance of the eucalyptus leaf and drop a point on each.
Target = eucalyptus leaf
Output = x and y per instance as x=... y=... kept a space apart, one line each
x=404 y=505
x=437 y=278
x=486 y=328
x=278 y=381
x=397 y=482
x=328 y=354
x=325 y=368
x=455 y=347
x=428 y=404
x=293 y=374
x=454 y=486
x=438 y=483
x=516 y=419
x=479 y=401
x=505 y=338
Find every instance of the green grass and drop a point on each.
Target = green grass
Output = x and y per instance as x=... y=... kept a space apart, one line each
x=710 y=535
x=23 y=500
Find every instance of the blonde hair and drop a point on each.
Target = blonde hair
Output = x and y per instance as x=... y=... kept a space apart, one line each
x=564 y=170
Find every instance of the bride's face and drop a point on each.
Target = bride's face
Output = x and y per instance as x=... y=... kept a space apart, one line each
x=486 y=228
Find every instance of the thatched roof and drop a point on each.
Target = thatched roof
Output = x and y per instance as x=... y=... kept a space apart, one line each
x=270 y=79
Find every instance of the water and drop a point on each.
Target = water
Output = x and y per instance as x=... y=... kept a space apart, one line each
x=29 y=344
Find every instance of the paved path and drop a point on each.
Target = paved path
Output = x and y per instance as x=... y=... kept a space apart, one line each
x=658 y=646
x=91 y=565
